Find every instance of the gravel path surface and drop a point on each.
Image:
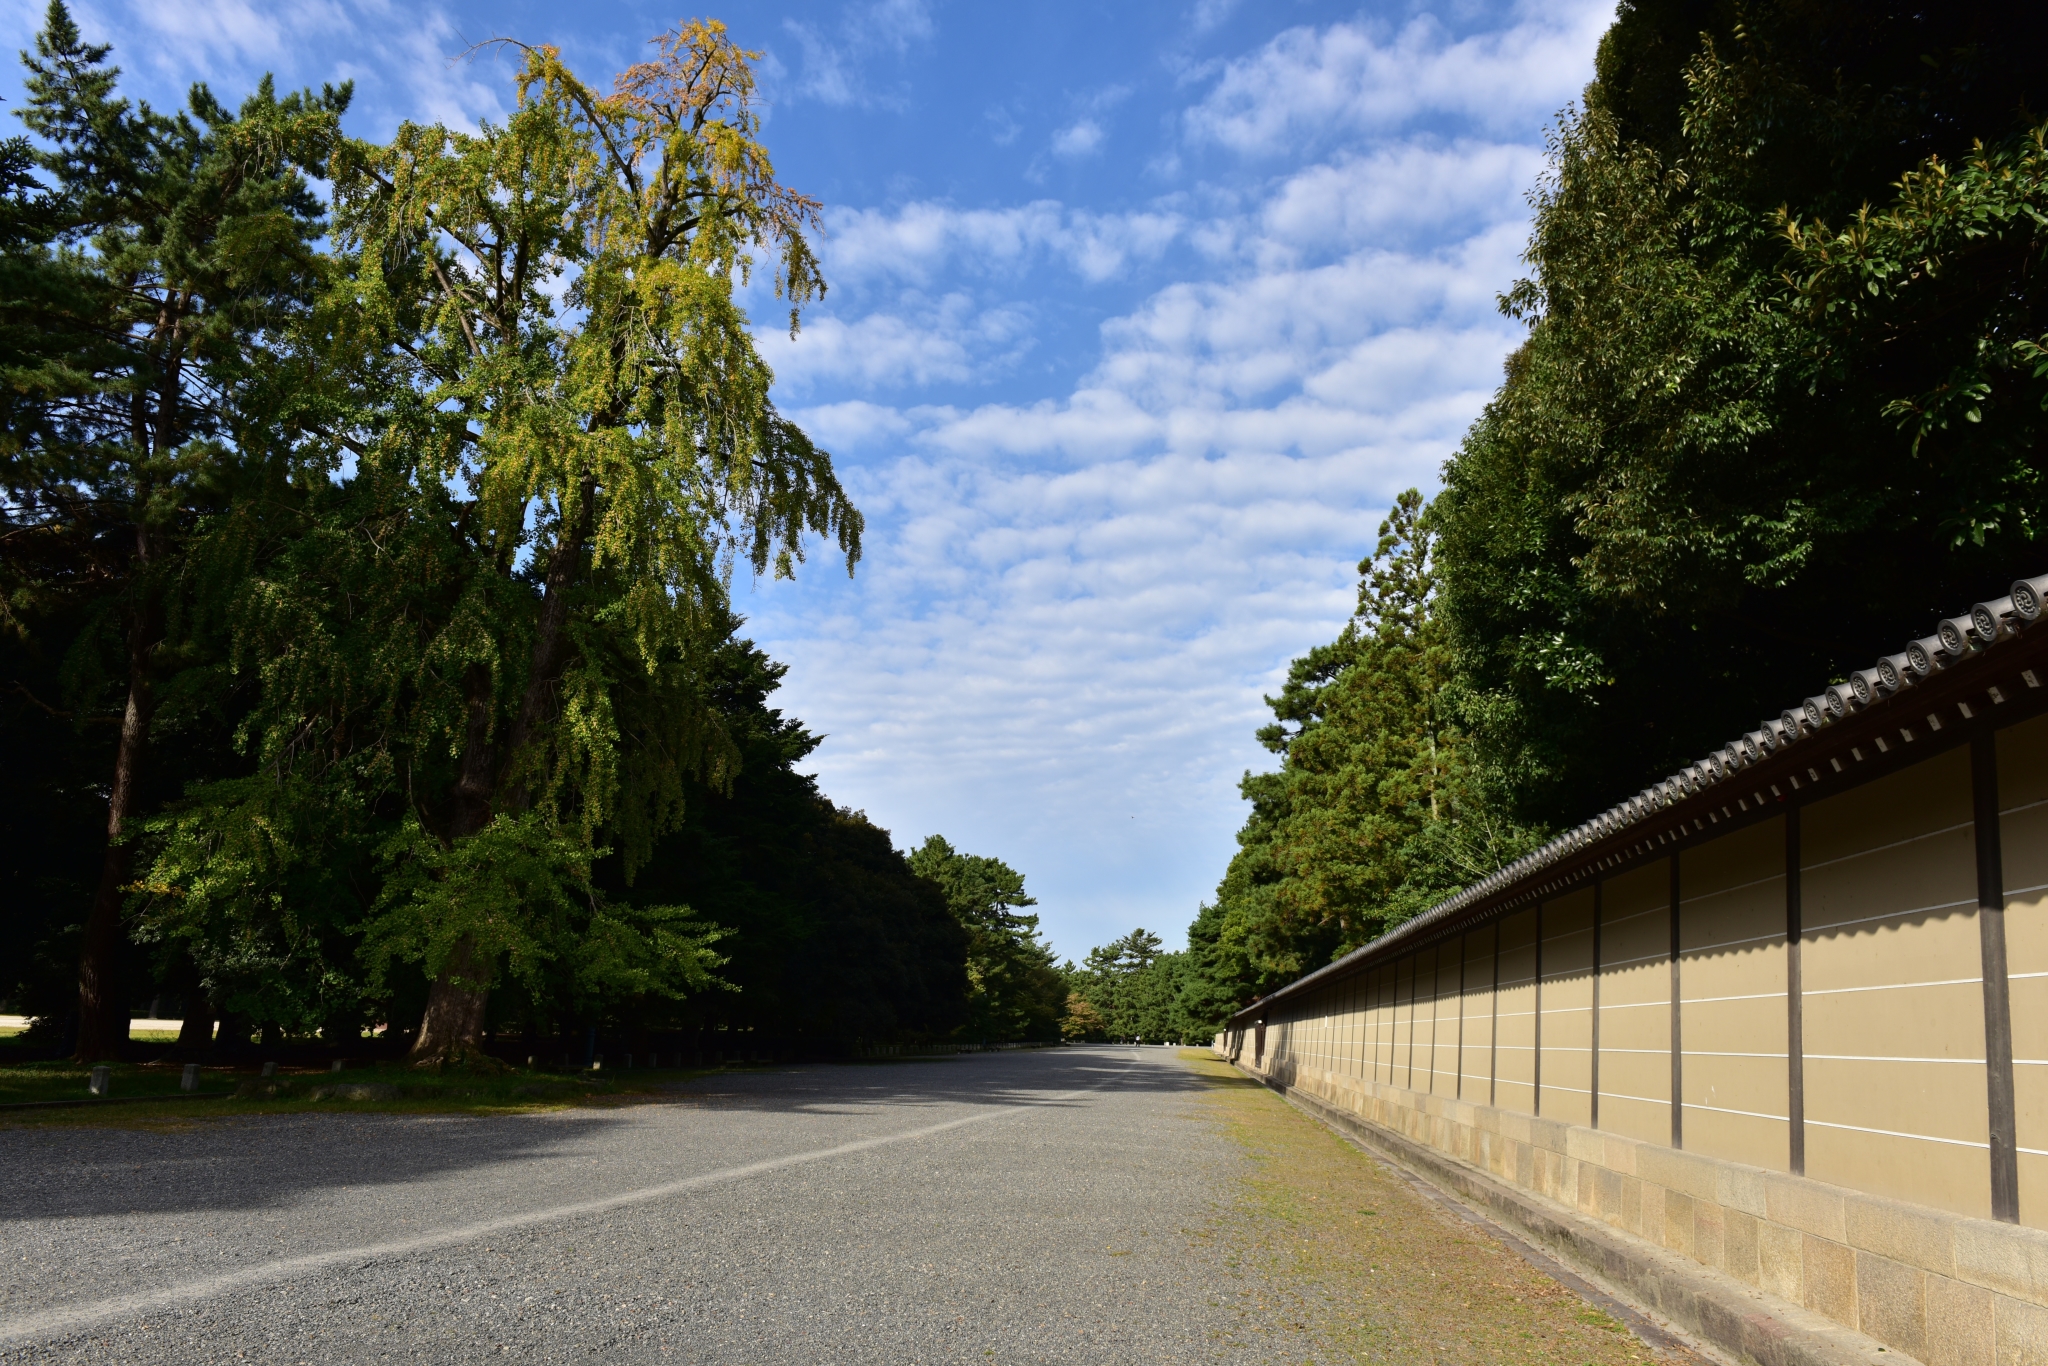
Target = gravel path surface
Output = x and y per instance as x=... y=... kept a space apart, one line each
x=1021 y=1207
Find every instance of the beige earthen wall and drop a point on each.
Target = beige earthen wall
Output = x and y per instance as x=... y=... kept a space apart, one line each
x=1635 y=1004
x=1732 y=1010
x=1946 y=1288
x=1514 y=1086
x=1893 y=991
x=1476 y=1010
x=1888 y=1227
x=1567 y=997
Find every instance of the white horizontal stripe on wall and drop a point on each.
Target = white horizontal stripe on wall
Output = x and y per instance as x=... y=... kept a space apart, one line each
x=1895 y=844
x=1724 y=1110
x=1894 y=1133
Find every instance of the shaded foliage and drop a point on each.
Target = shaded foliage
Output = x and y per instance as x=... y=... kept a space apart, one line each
x=1710 y=480
x=1013 y=990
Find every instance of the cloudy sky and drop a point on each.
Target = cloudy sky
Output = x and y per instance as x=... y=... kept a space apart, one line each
x=1140 y=316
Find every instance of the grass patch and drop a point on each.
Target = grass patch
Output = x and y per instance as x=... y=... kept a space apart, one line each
x=384 y=1088
x=1375 y=1272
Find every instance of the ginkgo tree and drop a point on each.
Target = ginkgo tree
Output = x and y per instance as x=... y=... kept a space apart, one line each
x=554 y=442
x=595 y=385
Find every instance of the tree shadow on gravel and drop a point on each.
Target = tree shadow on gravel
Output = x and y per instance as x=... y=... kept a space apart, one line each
x=1036 y=1078
x=264 y=1162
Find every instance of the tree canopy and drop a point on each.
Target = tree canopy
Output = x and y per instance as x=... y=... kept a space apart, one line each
x=1782 y=396
x=371 y=510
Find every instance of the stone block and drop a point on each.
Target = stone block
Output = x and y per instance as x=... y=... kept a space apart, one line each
x=1959 y=1323
x=1891 y=1303
x=2020 y=1332
x=1738 y=1245
x=1908 y=1234
x=1780 y=1257
x=1587 y=1145
x=1807 y=1206
x=1610 y=1189
x=1629 y=1213
x=1678 y=1221
x=1548 y=1134
x=2003 y=1257
x=1621 y=1154
x=1516 y=1125
x=1739 y=1187
x=1696 y=1176
x=1654 y=1206
x=1709 y=1233
x=1830 y=1272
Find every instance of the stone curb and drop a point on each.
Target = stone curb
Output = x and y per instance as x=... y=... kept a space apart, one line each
x=1753 y=1325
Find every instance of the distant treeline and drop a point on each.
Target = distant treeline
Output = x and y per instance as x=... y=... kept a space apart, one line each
x=365 y=637
x=1784 y=399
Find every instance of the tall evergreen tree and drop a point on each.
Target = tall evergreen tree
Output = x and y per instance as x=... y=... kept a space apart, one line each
x=1013 y=989
x=192 y=248
x=1378 y=808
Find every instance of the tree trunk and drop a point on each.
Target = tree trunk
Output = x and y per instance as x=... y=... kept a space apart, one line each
x=195 y=1032
x=102 y=1004
x=233 y=1039
x=452 y=1031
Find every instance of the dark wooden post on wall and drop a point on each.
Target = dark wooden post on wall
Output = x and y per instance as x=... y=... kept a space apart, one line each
x=1493 y=1034
x=2005 y=1174
x=1463 y=954
x=1536 y=1072
x=1593 y=1084
x=1677 y=1020
x=1795 y=1006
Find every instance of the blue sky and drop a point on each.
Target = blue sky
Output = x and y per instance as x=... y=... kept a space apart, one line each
x=1140 y=316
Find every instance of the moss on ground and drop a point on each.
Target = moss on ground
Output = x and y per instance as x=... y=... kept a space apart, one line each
x=388 y=1088
x=1367 y=1269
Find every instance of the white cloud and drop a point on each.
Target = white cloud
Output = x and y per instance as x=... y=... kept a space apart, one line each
x=923 y=240
x=1070 y=607
x=189 y=32
x=1360 y=77
x=1078 y=138
x=1394 y=192
x=1209 y=13
x=835 y=66
x=407 y=62
x=948 y=340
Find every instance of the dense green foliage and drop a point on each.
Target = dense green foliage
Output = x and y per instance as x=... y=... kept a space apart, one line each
x=1380 y=807
x=366 y=584
x=1783 y=401
x=1129 y=990
x=1774 y=411
x=1014 y=992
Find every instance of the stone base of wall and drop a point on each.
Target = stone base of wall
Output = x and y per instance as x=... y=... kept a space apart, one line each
x=1948 y=1290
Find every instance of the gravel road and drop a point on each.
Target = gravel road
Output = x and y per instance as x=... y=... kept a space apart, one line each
x=1019 y=1207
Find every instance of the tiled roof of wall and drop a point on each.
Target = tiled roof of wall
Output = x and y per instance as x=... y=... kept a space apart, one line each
x=1955 y=641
